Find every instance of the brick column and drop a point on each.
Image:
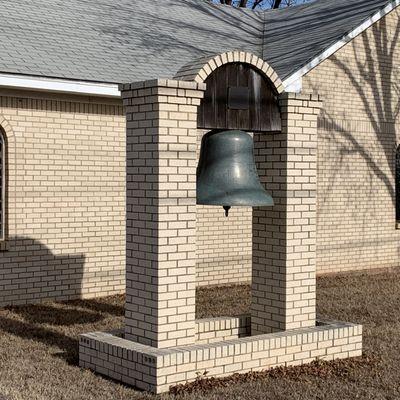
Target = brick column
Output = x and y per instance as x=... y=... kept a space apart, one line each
x=284 y=236
x=161 y=211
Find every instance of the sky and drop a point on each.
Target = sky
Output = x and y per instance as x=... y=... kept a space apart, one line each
x=267 y=3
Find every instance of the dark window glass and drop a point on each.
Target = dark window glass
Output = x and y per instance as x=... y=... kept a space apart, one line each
x=2 y=185
x=398 y=184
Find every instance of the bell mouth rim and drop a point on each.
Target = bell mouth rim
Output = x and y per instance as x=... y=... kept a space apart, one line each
x=258 y=197
x=236 y=205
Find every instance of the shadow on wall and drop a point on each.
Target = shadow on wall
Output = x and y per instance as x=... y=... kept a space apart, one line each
x=374 y=81
x=31 y=272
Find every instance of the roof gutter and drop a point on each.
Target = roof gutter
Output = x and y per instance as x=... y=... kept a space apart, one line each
x=59 y=85
x=294 y=82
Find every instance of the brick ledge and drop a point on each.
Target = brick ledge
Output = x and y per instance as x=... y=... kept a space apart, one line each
x=156 y=370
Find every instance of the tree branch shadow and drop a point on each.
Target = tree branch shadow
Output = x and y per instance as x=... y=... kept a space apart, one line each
x=374 y=82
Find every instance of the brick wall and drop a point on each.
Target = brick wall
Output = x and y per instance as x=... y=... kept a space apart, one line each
x=67 y=204
x=155 y=370
x=283 y=272
x=66 y=161
x=223 y=246
x=161 y=211
x=356 y=227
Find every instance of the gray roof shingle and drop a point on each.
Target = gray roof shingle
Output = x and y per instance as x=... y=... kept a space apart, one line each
x=295 y=35
x=130 y=40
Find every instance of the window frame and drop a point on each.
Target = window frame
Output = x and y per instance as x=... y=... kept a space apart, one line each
x=4 y=190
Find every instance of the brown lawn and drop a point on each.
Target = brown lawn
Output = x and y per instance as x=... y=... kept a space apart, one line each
x=38 y=347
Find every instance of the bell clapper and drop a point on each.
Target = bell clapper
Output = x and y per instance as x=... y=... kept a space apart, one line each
x=227 y=208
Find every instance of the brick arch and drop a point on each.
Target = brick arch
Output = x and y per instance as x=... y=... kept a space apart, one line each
x=6 y=128
x=199 y=70
x=7 y=133
x=9 y=137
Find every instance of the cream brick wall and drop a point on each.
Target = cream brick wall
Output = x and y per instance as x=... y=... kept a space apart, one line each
x=359 y=86
x=161 y=211
x=223 y=246
x=155 y=370
x=283 y=272
x=66 y=198
x=67 y=204
x=212 y=330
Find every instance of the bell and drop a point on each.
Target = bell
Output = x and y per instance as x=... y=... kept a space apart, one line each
x=227 y=174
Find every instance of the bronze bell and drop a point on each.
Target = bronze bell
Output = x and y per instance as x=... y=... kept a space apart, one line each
x=227 y=174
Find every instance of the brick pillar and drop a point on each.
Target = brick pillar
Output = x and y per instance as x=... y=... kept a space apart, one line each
x=161 y=211
x=284 y=236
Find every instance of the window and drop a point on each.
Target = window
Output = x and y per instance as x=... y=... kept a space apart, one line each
x=2 y=186
x=398 y=184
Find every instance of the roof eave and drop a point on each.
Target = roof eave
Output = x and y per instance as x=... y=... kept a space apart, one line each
x=18 y=81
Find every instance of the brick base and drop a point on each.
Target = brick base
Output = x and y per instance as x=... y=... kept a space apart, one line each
x=223 y=348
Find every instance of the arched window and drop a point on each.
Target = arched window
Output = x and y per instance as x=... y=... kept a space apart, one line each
x=398 y=184
x=3 y=182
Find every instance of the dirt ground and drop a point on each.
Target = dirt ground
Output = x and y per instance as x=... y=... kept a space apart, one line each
x=39 y=348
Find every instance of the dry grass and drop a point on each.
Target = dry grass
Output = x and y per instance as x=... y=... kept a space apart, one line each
x=38 y=348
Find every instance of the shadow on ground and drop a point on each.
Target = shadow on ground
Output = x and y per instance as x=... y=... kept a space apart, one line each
x=39 y=347
x=50 y=323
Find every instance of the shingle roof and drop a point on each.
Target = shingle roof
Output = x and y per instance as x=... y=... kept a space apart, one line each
x=130 y=40
x=295 y=35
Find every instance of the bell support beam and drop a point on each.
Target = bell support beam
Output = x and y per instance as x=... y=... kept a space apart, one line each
x=284 y=237
x=161 y=211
